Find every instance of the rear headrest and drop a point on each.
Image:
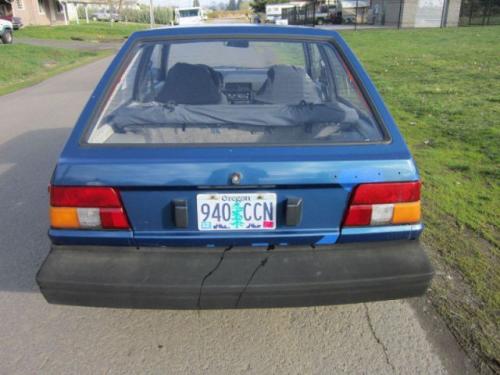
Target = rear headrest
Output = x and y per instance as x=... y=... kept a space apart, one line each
x=288 y=84
x=191 y=84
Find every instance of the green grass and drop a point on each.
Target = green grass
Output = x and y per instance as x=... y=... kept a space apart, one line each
x=92 y=32
x=443 y=88
x=25 y=65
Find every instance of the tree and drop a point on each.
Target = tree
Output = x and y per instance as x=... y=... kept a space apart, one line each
x=231 y=5
x=196 y=3
x=258 y=6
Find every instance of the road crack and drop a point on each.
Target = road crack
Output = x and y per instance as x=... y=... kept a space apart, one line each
x=210 y=273
x=382 y=345
x=259 y=266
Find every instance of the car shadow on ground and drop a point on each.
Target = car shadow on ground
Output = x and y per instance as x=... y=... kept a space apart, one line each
x=26 y=165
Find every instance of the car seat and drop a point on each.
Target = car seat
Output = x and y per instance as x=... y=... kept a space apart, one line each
x=287 y=84
x=191 y=84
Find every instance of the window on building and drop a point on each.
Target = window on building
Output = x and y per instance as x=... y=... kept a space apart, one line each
x=41 y=7
x=20 y=4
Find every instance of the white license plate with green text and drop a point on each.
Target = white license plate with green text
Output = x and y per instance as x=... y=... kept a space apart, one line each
x=236 y=211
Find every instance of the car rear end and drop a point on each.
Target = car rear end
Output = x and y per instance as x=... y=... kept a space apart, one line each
x=240 y=166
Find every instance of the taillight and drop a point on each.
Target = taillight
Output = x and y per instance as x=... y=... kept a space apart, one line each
x=384 y=204
x=93 y=207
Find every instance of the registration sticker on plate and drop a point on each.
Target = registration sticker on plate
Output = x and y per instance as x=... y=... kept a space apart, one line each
x=236 y=211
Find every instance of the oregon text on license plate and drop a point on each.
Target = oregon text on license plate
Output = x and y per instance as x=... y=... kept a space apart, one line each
x=236 y=211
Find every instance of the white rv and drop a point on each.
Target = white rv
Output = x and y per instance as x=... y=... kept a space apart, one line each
x=189 y=16
x=274 y=11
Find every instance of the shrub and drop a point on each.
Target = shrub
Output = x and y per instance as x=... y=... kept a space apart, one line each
x=163 y=15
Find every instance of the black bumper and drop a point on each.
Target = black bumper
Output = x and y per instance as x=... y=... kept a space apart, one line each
x=246 y=277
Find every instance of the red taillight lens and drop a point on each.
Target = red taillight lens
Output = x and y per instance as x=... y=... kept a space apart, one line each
x=84 y=207
x=358 y=215
x=392 y=192
x=384 y=204
x=101 y=197
x=113 y=218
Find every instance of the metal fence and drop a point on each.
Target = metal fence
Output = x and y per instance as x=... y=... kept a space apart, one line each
x=480 y=12
x=394 y=13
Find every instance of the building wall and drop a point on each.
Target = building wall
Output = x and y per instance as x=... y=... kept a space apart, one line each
x=386 y=12
x=38 y=12
x=409 y=13
x=30 y=12
x=415 y=14
x=453 y=12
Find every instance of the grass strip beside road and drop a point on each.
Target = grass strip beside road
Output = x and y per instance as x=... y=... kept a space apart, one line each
x=25 y=65
x=91 y=32
x=443 y=88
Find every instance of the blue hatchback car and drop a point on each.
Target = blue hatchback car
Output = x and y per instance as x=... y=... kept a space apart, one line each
x=234 y=166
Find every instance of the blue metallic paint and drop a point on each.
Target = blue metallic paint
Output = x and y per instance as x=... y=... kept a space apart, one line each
x=172 y=168
x=381 y=233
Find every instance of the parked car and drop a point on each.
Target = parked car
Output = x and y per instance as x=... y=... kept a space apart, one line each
x=6 y=30
x=105 y=15
x=328 y=14
x=255 y=18
x=17 y=22
x=198 y=177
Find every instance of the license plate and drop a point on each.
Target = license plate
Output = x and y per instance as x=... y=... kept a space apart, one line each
x=236 y=211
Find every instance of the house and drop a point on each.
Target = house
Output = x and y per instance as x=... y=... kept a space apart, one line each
x=53 y=12
x=34 y=12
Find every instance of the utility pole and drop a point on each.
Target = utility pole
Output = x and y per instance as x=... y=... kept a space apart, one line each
x=314 y=13
x=356 y=17
x=400 y=20
x=151 y=14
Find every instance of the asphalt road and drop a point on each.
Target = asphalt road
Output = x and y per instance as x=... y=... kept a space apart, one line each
x=38 y=338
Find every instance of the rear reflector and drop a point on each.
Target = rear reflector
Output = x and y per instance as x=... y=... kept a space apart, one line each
x=86 y=208
x=384 y=204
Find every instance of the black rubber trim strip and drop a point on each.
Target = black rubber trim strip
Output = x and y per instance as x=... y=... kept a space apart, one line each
x=287 y=276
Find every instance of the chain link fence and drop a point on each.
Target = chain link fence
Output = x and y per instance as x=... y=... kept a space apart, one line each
x=480 y=12
x=394 y=13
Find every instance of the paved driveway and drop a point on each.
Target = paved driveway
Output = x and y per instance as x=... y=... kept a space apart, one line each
x=38 y=338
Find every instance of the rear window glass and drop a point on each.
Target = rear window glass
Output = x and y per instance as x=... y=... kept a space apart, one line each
x=235 y=91
x=188 y=12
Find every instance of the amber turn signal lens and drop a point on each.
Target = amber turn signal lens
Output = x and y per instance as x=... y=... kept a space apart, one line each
x=64 y=217
x=406 y=213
